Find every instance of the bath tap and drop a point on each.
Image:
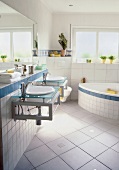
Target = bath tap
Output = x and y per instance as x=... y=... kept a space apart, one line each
x=23 y=88
x=44 y=78
x=24 y=69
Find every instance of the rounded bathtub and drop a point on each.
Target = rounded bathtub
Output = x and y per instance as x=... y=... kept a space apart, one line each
x=98 y=98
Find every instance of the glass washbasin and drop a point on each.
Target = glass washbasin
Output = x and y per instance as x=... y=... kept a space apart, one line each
x=39 y=90
x=54 y=78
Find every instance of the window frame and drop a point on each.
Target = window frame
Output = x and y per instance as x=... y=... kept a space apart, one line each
x=75 y=29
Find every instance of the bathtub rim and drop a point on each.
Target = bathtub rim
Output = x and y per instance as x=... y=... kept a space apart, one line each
x=96 y=91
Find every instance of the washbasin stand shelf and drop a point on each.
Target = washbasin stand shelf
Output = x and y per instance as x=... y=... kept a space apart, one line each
x=48 y=100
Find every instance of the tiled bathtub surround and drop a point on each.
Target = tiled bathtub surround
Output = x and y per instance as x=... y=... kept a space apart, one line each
x=93 y=72
x=15 y=135
x=98 y=105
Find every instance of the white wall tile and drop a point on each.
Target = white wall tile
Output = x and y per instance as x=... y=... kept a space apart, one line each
x=88 y=66
x=74 y=85
x=67 y=73
x=77 y=65
x=76 y=74
x=112 y=66
x=100 y=66
x=111 y=75
x=100 y=75
x=50 y=62
x=88 y=74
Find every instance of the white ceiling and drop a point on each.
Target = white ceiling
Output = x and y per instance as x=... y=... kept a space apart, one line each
x=5 y=9
x=62 y=6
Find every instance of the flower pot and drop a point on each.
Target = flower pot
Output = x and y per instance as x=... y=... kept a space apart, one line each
x=63 y=53
x=35 y=52
x=111 y=61
x=103 y=61
x=3 y=59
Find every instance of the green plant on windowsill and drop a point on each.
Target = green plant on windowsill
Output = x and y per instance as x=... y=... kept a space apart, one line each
x=3 y=57
x=63 y=42
x=88 y=60
x=111 y=58
x=103 y=59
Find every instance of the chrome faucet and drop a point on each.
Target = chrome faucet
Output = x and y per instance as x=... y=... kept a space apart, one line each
x=23 y=88
x=44 y=78
x=24 y=70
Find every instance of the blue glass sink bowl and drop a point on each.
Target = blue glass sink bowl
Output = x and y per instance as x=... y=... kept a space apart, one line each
x=45 y=96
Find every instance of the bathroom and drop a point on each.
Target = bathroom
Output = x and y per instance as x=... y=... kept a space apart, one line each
x=77 y=129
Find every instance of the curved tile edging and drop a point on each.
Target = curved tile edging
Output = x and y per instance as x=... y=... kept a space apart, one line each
x=103 y=96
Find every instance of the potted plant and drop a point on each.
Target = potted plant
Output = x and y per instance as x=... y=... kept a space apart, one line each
x=111 y=58
x=63 y=42
x=3 y=57
x=88 y=60
x=103 y=59
x=35 y=50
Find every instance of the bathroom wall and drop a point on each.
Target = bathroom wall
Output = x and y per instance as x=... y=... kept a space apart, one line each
x=94 y=72
x=61 y=23
x=14 y=20
x=16 y=135
x=60 y=66
x=37 y=12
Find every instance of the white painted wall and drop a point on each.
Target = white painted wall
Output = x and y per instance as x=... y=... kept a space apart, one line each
x=14 y=20
x=36 y=11
x=92 y=72
x=61 y=23
x=51 y=25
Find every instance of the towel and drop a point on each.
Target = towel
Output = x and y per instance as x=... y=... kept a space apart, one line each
x=10 y=75
x=7 y=81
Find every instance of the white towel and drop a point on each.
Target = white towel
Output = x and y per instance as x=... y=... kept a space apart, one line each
x=10 y=75
x=7 y=81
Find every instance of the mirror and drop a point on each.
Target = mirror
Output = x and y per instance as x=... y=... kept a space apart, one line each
x=18 y=35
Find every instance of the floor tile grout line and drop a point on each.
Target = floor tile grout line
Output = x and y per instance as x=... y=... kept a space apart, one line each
x=46 y=161
x=29 y=161
x=103 y=163
x=112 y=134
x=93 y=136
x=90 y=154
x=79 y=144
x=85 y=164
x=79 y=130
x=63 y=152
x=65 y=162
x=105 y=144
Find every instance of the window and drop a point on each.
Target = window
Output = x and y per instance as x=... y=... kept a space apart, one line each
x=16 y=44
x=5 y=43
x=22 y=44
x=85 y=45
x=108 y=43
x=92 y=43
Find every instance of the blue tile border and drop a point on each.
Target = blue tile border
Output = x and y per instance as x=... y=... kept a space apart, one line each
x=103 y=96
x=4 y=91
x=45 y=53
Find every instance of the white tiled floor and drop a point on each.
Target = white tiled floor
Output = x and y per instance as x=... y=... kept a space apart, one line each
x=75 y=139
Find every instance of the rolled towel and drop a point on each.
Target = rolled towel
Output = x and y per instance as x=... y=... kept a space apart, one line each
x=10 y=75
x=8 y=81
